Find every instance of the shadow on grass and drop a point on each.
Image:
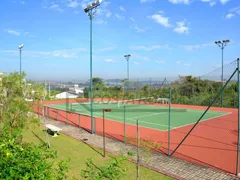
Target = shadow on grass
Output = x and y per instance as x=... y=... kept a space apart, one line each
x=93 y=148
x=40 y=139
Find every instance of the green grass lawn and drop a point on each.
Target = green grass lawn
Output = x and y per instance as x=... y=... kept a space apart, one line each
x=78 y=152
x=150 y=116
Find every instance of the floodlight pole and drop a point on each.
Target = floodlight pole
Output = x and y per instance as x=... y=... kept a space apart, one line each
x=222 y=45
x=127 y=58
x=20 y=50
x=89 y=11
x=20 y=53
x=91 y=83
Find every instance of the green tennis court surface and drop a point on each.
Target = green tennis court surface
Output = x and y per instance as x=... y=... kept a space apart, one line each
x=150 y=116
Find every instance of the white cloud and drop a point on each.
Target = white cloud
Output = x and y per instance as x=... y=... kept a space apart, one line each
x=224 y=1
x=138 y=29
x=196 y=47
x=73 y=4
x=64 y=53
x=13 y=32
x=135 y=56
x=181 y=28
x=22 y=2
x=150 y=48
x=159 y=18
x=230 y=15
x=119 y=16
x=109 y=61
x=146 y=1
x=136 y=63
x=212 y=3
x=122 y=8
x=108 y=14
x=100 y=21
x=179 y=1
x=184 y=64
x=159 y=62
x=106 y=49
x=56 y=7
x=103 y=9
x=233 y=12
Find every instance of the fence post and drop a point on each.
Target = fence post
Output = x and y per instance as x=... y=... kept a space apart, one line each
x=219 y=93
x=67 y=116
x=238 y=80
x=104 y=138
x=79 y=120
x=48 y=112
x=124 y=124
x=56 y=114
x=169 y=120
x=138 y=158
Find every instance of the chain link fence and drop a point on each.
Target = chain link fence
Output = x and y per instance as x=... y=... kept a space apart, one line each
x=193 y=118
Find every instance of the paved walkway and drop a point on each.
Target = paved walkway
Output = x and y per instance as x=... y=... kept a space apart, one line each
x=169 y=166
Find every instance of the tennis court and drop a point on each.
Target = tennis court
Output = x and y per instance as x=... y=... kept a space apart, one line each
x=150 y=116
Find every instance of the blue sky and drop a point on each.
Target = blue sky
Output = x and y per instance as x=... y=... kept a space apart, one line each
x=164 y=37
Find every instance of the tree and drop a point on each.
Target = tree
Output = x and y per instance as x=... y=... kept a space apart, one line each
x=18 y=159
x=98 y=82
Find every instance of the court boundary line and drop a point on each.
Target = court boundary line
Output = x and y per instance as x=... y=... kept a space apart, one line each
x=174 y=127
x=111 y=120
x=149 y=105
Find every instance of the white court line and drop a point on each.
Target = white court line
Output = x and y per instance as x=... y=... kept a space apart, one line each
x=174 y=127
x=135 y=119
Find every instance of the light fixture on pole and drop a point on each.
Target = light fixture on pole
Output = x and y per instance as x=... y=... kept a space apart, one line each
x=20 y=51
x=222 y=44
x=127 y=56
x=89 y=10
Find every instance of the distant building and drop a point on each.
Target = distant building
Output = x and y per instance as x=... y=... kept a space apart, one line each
x=76 y=89
x=65 y=95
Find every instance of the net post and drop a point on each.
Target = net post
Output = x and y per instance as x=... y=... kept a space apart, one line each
x=124 y=124
x=169 y=120
x=238 y=82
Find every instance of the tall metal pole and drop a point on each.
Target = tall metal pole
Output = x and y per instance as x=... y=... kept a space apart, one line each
x=238 y=143
x=20 y=61
x=222 y=45
x=127 y=58
x=49 y=90
x=91 y=83
x=138 y=156
x=89 y=10
x=124 y=124
x=169 y=120
x=104 y=138
x=222 y=77
x=128 y=69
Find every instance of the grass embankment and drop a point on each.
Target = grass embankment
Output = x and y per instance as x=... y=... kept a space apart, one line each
x=78 y=152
